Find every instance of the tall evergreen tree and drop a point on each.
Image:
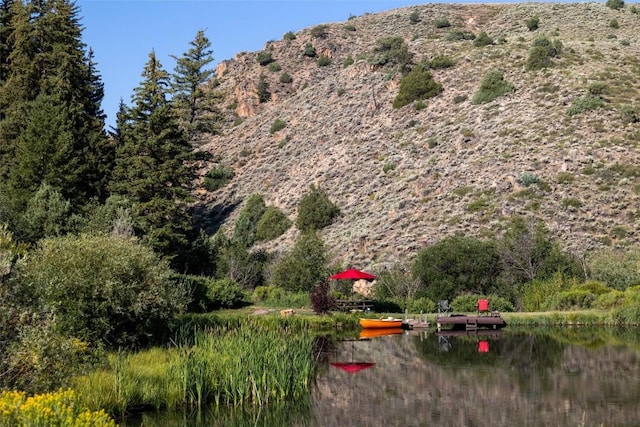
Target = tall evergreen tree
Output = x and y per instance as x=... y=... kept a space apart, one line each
x=18 y=84
x=196 y=107
x=50 y=101
x=5 y=34
x=152 y=164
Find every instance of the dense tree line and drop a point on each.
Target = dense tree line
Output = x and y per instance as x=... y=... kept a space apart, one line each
x=103 y=216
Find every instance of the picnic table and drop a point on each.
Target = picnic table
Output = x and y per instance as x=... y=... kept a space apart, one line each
x=352 y=304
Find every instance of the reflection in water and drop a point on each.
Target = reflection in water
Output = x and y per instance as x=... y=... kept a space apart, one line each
x=296 y=415
x=562 y=377
x=513 y=378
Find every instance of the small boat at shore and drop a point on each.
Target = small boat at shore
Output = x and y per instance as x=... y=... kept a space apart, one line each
x=387 y=323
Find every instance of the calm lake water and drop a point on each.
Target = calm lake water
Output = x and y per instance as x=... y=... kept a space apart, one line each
x=556 y=377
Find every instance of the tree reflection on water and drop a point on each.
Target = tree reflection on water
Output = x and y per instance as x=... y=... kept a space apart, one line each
x=550 y=377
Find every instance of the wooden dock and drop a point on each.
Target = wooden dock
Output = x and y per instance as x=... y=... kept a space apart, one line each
x=470 y=323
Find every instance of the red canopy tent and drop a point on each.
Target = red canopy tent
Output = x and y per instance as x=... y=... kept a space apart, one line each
x=352 y=274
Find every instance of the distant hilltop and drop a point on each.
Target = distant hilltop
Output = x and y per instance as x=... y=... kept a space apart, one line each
x=536 y=114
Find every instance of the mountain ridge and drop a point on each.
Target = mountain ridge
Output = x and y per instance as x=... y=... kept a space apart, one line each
x=406 y=178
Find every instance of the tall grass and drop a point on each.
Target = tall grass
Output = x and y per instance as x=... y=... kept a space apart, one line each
x=252 y=364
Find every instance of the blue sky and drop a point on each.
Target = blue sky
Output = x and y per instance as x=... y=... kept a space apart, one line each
x=122 y=33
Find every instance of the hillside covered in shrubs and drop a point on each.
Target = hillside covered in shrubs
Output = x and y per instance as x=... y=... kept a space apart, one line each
x=423 y=122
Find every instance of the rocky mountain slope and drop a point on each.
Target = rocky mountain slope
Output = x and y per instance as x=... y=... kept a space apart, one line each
x=406 y=178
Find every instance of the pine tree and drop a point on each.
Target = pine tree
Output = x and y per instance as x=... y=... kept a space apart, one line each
x=196 y=107
x=152 y=164
x=5 y=35
x=18 y=85
x=49 y=69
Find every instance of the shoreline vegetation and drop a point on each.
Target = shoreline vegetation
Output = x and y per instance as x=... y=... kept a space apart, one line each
x=242 y=358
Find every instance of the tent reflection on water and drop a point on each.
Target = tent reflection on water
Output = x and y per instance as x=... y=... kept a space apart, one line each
x=352 y=366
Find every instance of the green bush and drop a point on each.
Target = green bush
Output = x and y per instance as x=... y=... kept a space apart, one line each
x=277 y=125
x=391 y=51
x=627 y=315
x=246 y=225
x=458 y=35
x=598 y=88
x=467 y=303
x=274 y=67
x=440 y=62
x=615 y=4
x=442 y=23
x=585 y=103
x=289 y=35
x=528 y=179
x=319 y=31
x=538 y=59
x=532 y=23
x=349 y=27
x=482 y=40
x=417 y=85
x=315 y=210
x=262 y=89
x=323 y=61
x=285 y=78
x=347 y=61
x=617 y=269
x=492 y=86
x=102 y=289
x=414 y=17
x=272 y=224
x=593 y=286
x=264 y=58
x=46 y=215
x=629 y=114
x=614 y=24
x=304 y=267
x=42 y=358
x=458 y=99
x=541 y=53
x=570 y=300
x=218 y=177
x=533 y=295
x=209 y=294
x=309 y=51
x=273 y=296
x=553 y=48
x=224 y=293
x=609 y=300
x=456 y=264
x=424 y=305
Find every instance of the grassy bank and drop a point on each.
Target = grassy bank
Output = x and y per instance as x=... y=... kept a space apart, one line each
x=221 y=359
